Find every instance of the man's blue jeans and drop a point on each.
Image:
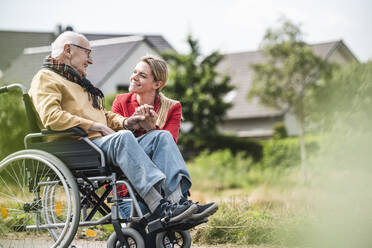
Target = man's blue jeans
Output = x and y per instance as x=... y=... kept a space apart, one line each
x=151 y=160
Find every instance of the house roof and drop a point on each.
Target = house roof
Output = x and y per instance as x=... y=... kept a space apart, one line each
x=238 y=67
x=106 y=60
x=12 y=43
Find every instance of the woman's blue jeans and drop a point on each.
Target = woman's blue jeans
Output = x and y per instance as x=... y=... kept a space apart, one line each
x=151 y=160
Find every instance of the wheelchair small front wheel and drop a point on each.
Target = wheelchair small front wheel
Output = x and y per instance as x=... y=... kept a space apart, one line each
x=133 y=238
x=173 y=239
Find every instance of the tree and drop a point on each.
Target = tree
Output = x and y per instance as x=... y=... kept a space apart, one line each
x=195 y=82
x=290 y=74
x=345 y=100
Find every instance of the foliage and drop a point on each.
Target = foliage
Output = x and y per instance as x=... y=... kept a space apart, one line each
x=346 y=98
x=291 y=69
x=109 y=100
x=222 y=169
x=280 y=132
x=285 y=153
x=218 y=142
x=13 y=123
x=195 y=82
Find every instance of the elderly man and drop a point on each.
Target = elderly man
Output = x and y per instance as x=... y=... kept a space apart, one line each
x=64 y=98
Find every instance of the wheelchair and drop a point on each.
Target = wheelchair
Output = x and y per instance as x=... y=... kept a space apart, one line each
x=53 y=187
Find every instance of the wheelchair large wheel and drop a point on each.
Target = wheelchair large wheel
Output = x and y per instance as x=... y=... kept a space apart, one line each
x=133 y=237
x=173 y=239
x=39 y=201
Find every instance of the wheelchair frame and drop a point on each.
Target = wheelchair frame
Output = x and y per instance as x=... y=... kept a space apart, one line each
x=80 y=178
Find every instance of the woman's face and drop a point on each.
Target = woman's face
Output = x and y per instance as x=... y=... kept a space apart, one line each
x=142 y=80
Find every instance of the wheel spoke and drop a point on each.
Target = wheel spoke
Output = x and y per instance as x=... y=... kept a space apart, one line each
x=30 y=201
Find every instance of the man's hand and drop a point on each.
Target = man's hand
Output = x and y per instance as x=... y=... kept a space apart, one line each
x=103 y=129
x=133 y=122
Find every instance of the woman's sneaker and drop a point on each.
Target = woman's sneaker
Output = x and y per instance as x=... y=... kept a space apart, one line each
x=173 y=212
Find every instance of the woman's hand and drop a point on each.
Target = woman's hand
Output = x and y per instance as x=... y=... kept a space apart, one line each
x=143 y=110
x=149 y=123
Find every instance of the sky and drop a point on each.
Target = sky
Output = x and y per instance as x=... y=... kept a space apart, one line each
x=225 y=25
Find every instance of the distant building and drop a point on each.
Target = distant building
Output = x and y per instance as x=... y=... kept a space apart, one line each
x=252 y=119
x=114 y=56
x=12 y=43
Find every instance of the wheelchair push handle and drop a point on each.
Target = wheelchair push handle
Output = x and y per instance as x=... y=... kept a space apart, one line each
x=8 y=87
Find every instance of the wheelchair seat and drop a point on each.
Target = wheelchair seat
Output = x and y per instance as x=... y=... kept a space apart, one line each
x=77 y=155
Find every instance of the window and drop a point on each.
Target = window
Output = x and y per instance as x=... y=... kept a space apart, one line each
x=122 y=88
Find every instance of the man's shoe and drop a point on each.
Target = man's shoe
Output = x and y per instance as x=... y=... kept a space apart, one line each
x=168 y=212
x=186 y=224
x=203 y=211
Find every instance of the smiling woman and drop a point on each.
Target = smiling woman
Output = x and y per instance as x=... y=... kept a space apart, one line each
x=149 y=76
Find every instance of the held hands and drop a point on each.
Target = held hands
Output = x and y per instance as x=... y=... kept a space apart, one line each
x=144 y=117
x=133 y=122
x=149 y=122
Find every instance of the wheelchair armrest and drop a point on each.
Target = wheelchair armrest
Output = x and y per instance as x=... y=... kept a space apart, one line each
x=73 y=131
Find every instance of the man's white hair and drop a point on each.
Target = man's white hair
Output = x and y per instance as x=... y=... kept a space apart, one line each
x=67 y=37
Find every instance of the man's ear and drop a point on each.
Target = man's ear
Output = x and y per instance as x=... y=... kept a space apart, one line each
x=67 y=50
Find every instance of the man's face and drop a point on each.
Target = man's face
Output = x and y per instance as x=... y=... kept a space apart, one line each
x=80 y=56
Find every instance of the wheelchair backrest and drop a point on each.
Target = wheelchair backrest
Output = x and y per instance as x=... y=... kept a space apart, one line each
x=33 y=118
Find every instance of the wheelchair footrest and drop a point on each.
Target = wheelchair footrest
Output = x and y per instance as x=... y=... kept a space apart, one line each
x=154 y=226
x=160 y=226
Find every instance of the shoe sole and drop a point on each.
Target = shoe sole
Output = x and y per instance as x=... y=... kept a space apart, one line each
x=206 y=213
x=185 y=214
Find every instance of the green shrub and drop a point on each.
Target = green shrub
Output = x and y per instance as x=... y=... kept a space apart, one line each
x=110 y=98
x=280 y=132
x=223 y=168
x=286 y=152
x=13 y=123
x=192 y=145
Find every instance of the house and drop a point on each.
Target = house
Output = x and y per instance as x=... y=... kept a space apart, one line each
x=252 y=119
x=12 y=43
x=114 y=57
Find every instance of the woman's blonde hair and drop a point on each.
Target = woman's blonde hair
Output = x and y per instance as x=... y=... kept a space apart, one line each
x=158 y=68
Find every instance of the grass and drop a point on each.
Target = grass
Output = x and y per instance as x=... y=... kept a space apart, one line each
x=258 y=206
x=259 y=218
x=239 y=224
